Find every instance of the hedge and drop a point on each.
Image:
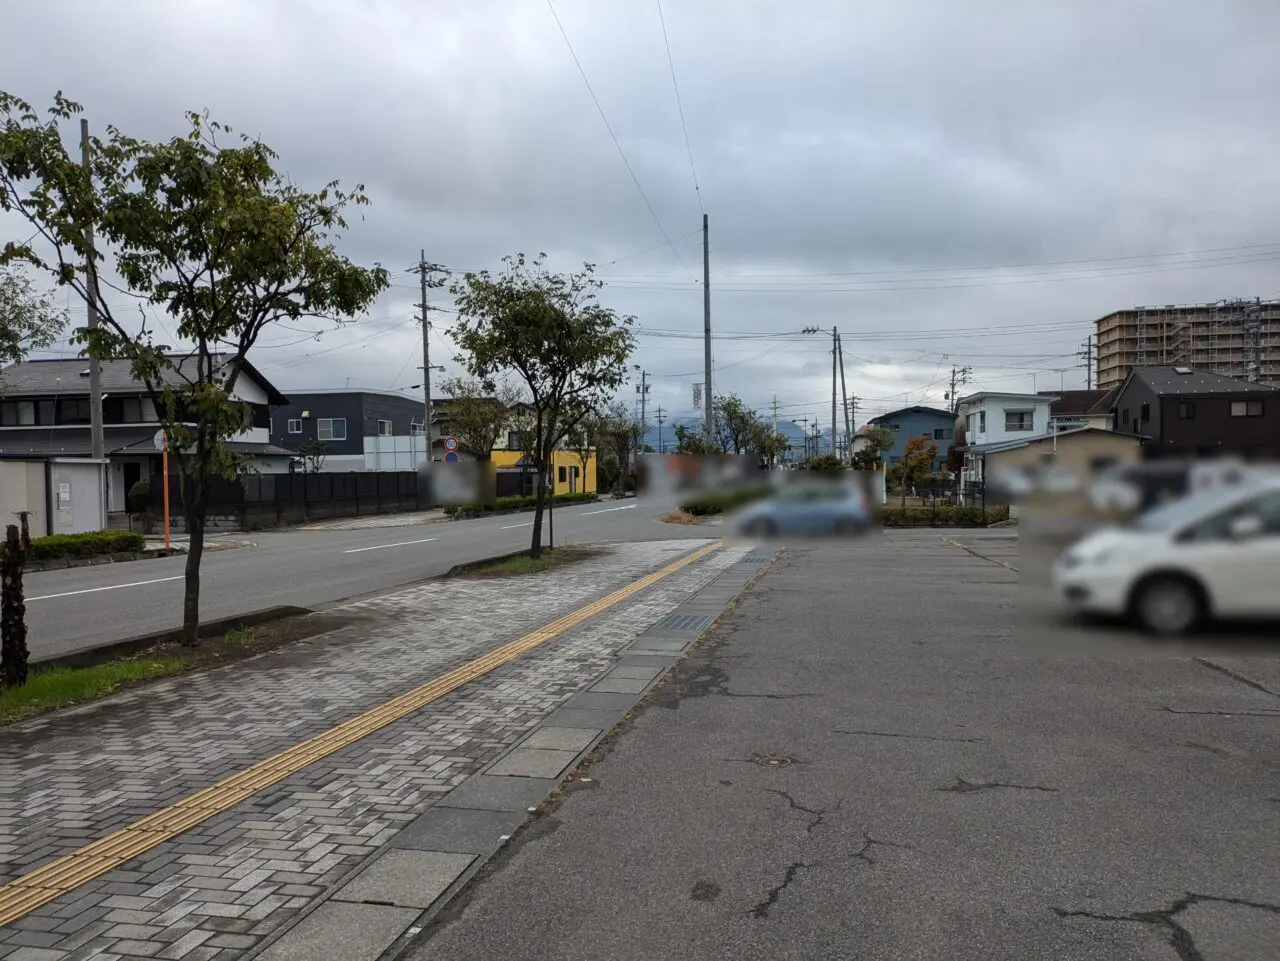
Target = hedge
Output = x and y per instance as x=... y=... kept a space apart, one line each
x=503 y=504
x=91 y=544
x=717 y=502
x=944 y=515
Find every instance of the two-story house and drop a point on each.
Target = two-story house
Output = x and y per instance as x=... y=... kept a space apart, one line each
x=44 y=411
x=1183 y=412
x=353 y=429
x=992 y=419
x=936 y=425
x=1077 y=409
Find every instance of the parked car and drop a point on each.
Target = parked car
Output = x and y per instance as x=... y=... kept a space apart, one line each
x=822 y=508
x=1214 y=555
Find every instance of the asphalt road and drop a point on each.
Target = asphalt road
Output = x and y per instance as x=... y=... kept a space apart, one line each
x=867 y=760
x=69 y=610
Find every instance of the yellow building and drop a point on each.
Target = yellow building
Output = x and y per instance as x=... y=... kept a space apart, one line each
x=573 y=472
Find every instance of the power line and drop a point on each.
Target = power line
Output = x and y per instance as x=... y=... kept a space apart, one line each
x=680 y=106
x=614 y=137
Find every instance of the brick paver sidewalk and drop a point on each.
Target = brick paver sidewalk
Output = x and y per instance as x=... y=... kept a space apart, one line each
x=219 y=889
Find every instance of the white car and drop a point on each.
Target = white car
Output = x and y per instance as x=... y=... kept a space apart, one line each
x=1214 y=555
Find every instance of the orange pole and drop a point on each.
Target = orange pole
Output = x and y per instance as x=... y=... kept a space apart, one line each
x=164 y=460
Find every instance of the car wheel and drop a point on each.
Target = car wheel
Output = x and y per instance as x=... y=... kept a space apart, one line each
x=1169 y=606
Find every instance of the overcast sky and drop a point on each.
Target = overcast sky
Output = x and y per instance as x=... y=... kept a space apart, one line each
x=966 y=184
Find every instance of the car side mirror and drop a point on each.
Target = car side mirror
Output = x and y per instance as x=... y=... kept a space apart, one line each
x=1245 y=527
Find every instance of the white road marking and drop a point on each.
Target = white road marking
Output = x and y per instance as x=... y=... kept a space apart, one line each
x=511 y=527
x=608 y=509
x=358 y=550
x=109 y=587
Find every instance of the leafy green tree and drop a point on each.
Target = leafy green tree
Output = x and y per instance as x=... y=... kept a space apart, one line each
x=28 y=320
x=691 y=441
x=737 y=425
x=879 y=440
x=768 y=443
x=918 y=457
x=212 y=235
x=552 y=332
x=617 y=434
x=313 y=454
x=824 y=464
x=478 y=413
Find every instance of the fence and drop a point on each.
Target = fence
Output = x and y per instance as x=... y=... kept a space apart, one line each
x=971 y=495
x=275 y=500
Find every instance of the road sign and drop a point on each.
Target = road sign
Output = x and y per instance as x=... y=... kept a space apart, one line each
x=451 y=458
x=697 y=397
x=451 y=444
x=158 y=440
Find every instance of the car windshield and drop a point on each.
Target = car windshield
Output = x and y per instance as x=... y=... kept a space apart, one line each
x=1184 y=510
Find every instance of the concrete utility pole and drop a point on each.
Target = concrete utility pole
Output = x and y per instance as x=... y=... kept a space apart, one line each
x=844 y=397
x=426 y=355
x=661 y=419
x=97 y=442
x=706 y=329
x=959 y=377
x=1086 y=354
x=805 y=421
x=835 y=357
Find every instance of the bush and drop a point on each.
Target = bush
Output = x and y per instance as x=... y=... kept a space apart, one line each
x=91 y=544
x=139 y=497
x=706 y=503
x=943 y=515
x=503 y=504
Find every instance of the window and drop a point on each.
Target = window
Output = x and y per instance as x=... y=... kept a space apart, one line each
x=294 y=425
x=331 y=428
x=1124 y=416
x=1186 y=410
x=1017 y=420
x=415 y=426
x=1246 y=408
x=895 y=427
x=982 y=422
x=943 y=433
x=73 y=411
x=563 y=475
x=968 y=424
x=1146 y=413
x=1099 y=464
x=384 y=428
x=515 y=440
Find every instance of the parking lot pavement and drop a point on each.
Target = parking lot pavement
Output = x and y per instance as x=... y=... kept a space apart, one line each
x=862 y=761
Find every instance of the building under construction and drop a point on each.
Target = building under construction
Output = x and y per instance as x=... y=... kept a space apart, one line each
x=1235 y=338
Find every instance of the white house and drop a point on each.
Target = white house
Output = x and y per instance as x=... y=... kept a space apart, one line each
x=993 y=419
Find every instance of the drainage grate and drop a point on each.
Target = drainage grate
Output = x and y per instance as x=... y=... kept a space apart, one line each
x=757 y=559
x=683 y=622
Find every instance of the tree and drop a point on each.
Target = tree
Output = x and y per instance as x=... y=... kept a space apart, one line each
x=478 y=413
x=552 y=332
x=769 y=443
x=618 y=432
x=28 y=320
x=313 y=454
x=737 y=426
x=879 y=440
x=212 y=235
x=690 y=441
x=955 y=453
x=918 y=457
x=824 y=464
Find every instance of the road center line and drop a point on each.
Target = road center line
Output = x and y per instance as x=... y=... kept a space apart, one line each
x=38 y=887
x=357 y=550
x=109 y=587
x=511 y=527
x=607 y=510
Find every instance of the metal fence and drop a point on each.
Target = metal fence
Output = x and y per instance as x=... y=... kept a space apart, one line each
x=357 y=487
x=970 y=495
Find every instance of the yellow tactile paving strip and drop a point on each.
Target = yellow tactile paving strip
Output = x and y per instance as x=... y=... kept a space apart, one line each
x=53 y=880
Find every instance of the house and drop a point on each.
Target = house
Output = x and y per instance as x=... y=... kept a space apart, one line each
x=992 y=418
x=937 y=425
x=1073 y=409
x=44 y=412
x=1186 y=412
x=353 y=429
x=1083 y=451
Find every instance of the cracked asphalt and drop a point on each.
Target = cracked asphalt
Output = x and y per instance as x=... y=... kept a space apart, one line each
x=866 y=759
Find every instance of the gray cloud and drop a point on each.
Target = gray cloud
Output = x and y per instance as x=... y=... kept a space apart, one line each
x=841 y=148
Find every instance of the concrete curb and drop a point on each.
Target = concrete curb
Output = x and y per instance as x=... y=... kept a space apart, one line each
x=93 y=656
x=65 y=563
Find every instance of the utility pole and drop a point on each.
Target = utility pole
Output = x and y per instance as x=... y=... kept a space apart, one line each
x=1086 y=354
x=835 y=351
x=706 y=329
x=844 y=397
x=97 y=442
x=661 y=420
x=426 y=356
x=959 y=377
x=805 y=421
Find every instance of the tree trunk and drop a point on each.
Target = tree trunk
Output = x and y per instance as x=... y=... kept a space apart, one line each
x=13 y=611
x=539 y=504
x=196 y=512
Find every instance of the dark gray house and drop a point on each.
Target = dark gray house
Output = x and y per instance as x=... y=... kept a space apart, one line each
x=1185 y=413
x=356 y=429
